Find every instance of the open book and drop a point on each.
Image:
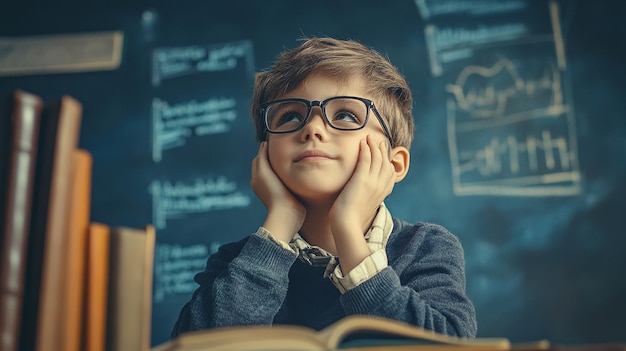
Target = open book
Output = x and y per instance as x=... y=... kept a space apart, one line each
x=350 y=333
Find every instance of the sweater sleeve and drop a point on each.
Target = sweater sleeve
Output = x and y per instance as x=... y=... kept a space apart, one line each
x=244 y=283
x=424 y=286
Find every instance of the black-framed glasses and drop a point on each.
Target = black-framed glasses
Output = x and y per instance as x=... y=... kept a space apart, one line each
x=340 y=112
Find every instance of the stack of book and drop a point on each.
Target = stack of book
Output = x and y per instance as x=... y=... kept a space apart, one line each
x=66 y=283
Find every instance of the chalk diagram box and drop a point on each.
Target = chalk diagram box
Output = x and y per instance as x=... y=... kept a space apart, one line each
x=511 y=135
x=510 y=121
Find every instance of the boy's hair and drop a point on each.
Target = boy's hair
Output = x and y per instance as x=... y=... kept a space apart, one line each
x=341 y=60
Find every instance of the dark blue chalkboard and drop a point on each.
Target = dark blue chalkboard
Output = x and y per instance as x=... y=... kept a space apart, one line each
x=520 y=146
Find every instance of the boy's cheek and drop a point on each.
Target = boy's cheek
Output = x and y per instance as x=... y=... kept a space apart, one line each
x=273 y=159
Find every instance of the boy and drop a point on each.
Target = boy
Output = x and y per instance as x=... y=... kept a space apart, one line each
x=335 y=126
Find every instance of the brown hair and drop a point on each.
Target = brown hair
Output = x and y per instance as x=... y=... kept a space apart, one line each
x=340 y=60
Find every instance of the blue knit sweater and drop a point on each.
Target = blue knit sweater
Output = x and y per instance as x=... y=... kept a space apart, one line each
x=254 y=281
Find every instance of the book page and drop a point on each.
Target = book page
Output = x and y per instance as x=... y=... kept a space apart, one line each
x=361 y=330
x=246 y=339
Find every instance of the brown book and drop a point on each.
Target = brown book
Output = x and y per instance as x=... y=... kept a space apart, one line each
x=97 y=278
x=22 y=119
x=70 y=321
x=131 y=263
x=47 y=247
x=355 y=332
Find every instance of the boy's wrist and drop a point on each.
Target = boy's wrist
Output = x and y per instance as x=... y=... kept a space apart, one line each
x=280 y=226
x=351 y=248
x=369 y=267
x=266 y=234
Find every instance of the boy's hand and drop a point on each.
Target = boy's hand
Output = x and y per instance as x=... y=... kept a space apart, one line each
x=371 y=182
x=355 y=207
x=285 y=214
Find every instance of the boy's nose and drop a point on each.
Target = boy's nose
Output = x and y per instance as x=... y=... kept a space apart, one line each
x=316 y=125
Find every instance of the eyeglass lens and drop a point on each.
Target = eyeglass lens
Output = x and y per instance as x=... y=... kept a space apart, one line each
x=341 y=113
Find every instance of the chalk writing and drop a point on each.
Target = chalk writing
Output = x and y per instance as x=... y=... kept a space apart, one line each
x=433 y=8
x=173 y=124
x=180 y=61
x=449 y=44
x=177 y=199
x=532 y=161
x=489 y=160
x=175 y=267
x=487 y=92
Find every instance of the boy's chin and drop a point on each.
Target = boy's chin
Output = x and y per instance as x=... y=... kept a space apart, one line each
x=316 y=195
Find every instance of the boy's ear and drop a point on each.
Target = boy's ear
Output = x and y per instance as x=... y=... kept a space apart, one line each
x=400 y=158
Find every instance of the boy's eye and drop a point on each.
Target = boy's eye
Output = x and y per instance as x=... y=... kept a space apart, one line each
x=346 y=117
x=286 y=116
x=289 y=117
x=346 y=113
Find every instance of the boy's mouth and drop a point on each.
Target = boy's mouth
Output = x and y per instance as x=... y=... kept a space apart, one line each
x=311 y=155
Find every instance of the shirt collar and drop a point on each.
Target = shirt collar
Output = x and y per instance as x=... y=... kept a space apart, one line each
x=376 y=237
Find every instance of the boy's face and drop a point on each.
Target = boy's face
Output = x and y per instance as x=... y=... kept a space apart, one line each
x=317 y=161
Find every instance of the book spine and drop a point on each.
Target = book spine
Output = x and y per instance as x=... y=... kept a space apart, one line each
x=130 y=289
x=147 y=286
x=97 y=285
x=75 y=259
x=49 y=332
x=25 y=121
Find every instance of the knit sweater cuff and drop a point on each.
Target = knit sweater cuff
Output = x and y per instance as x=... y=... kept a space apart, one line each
x=369 y=267
x=265 y=255
x=371 y=293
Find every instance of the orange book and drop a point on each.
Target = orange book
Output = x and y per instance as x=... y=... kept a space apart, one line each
x=76 y=245
x=97 y=279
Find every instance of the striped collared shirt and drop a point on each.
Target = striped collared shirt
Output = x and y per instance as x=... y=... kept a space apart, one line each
x=376 y=238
